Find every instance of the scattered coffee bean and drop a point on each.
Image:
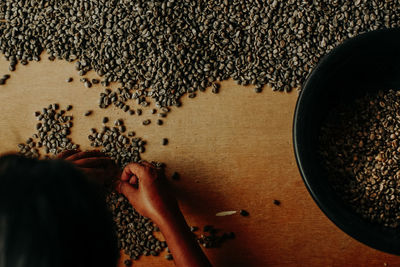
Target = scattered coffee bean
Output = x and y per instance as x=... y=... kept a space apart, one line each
x=88 y=113
x=244 y=213
x=146 y=122
x=70 y=79
x=164 y=141
x=277 y=202
x=88 y=84
x=258 y=89
x=128 y=262
x=169 y=257
x=175 y=176
x=215 y=88
x=207 y=228
x=160 y=122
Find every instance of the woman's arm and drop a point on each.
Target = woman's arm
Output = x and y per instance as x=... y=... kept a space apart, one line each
x=147 y=190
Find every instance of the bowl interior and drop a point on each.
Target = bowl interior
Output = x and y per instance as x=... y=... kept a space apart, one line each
x=368 y=62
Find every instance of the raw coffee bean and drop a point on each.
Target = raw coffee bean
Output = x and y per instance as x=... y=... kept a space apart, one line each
x=175 y=176
x=146 y=122
x=215 y=88
x=128 y=262
x=244 y=213
x=258 y=89
x=88 y=84
x=207 y=228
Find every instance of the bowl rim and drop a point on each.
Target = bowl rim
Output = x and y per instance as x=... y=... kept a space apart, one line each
x=347 y=228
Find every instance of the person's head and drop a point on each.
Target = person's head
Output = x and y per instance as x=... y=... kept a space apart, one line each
x=52 y=216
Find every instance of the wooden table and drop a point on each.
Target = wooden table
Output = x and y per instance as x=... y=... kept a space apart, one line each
x=233 y=151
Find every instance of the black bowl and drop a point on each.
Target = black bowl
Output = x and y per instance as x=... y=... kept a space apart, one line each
x=368 y=62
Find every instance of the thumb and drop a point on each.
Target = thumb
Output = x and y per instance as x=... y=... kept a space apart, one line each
x=128 y=191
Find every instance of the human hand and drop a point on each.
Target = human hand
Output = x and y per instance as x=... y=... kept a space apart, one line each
x=94 y=164
x=146 y=188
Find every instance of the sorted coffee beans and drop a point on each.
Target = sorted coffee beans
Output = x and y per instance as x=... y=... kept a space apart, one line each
x=360 y=149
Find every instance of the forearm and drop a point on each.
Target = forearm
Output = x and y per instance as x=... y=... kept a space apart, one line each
x=181 y=243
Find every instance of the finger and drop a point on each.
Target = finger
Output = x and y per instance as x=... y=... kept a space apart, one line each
x=87 y=154
x=128 y=191
x=147 y=164
x=102 y=162
x=133 y=169
x=66 y=154
x=134 y=181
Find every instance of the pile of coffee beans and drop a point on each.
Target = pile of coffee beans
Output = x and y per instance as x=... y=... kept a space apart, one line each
x=134 y=232
x=53 y=128
x=360 y=148
x=118 y=146
x=166 y=49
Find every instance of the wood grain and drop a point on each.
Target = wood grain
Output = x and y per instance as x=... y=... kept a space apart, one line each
x=233 y=151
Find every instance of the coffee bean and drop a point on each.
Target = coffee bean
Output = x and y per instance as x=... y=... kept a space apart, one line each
x=244 y=213
x=175 y=176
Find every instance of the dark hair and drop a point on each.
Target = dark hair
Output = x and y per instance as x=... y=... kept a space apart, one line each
x=52 y=216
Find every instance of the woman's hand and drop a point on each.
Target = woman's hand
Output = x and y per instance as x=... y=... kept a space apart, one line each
x=146 y=188
x=94 y=164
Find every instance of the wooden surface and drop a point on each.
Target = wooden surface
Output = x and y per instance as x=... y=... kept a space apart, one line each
x=233 y=151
